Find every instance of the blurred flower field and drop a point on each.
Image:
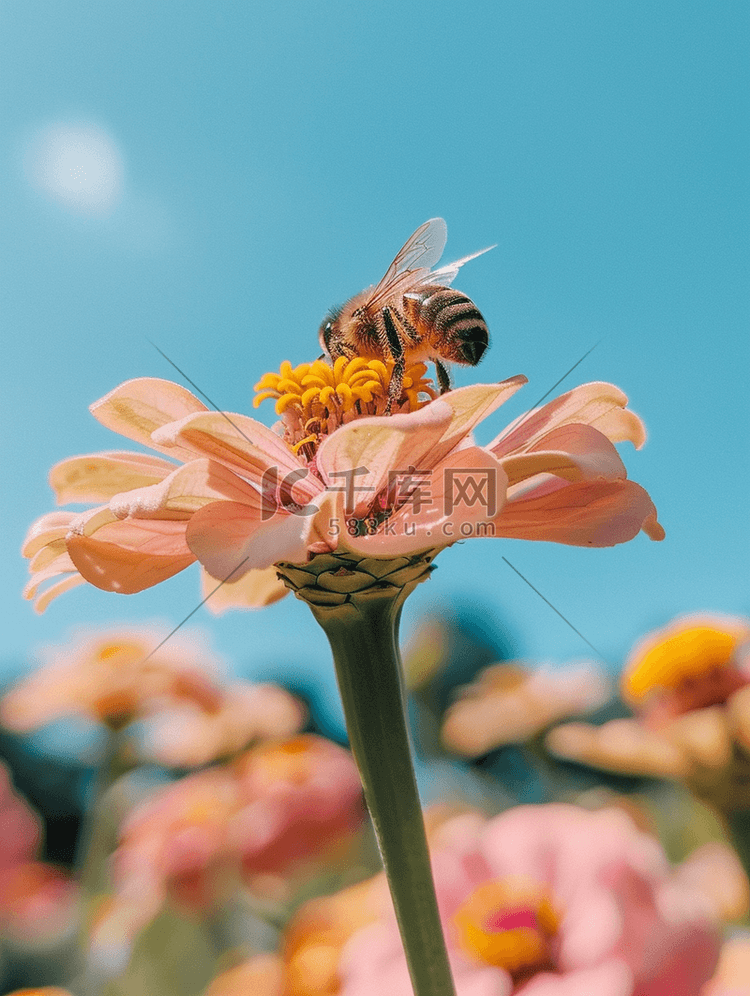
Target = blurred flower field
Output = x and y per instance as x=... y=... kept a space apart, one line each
x=225 y=848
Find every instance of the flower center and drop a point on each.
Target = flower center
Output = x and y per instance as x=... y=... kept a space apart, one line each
x=289 y=761
x=510 y=925
x=121 y=652
x=315 y=398
x=694 y=667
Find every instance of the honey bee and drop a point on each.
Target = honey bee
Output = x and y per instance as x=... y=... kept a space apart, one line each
x=411 y=315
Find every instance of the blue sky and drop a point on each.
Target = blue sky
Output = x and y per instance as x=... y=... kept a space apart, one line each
x=213 y=176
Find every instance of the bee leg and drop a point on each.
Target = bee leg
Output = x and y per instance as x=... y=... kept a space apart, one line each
x=341 y=349
x=444 y=381
x=396 y=349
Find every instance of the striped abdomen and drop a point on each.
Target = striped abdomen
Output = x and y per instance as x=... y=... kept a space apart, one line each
x=449 y=321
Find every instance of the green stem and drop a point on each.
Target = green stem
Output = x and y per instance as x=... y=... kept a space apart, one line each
x=99 y=831
x=364 y=639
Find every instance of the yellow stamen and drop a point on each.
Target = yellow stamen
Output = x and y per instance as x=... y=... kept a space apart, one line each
x=325 y=396
x=310 y=395
x=113 y=650
x=285 y=401
x=339 y=366
x=308 y=439
x=344 y=393
x=381 y=370
x=688 y=652
x=313 y=380
x=264 y=396
x=507 y=924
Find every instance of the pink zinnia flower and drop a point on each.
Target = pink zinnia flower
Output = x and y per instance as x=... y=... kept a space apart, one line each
x=248 y=497
x=551 y=901
x=275 y=809
x=20 y=827
x=37 y=900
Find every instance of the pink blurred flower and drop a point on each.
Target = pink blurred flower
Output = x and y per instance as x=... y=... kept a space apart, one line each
x=185 y=735
x=37 y=900
x=301 y=799
x=511 y=703
x=20 y=827
x=732 y=977
x=551 y=901
x=246 y=498
x=277 y=807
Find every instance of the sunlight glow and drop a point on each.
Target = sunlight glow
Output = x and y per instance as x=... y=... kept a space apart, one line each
x=78 y=166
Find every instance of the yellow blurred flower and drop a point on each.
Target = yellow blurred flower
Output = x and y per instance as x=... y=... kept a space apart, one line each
x=262 y=975
x=691 y=685
x=115 y=677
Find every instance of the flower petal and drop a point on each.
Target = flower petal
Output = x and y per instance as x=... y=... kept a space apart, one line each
x=419 y=439
x=98 y=477
x=599 y=404
x=610 y=978
x=253 y=591
x=599 y=513
x=244 y=446
x=50 y=562
x=60 y=564
x=470 y=405
x=381 y=446
x=621 y=745
x=444 y=513
x=57 y=589
x=231 y=538
x=138 y=407
x=573 y=452
x=47 y=529
x=187 y=489
x=127 y=555
x=49 y=553
x=704 y=736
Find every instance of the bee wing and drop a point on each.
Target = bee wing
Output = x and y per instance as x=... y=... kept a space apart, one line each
x=447 y=274
x=425 y=247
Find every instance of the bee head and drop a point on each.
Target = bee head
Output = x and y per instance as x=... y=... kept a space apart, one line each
x=327 y=329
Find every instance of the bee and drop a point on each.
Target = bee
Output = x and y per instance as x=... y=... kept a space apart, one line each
x=411 y=315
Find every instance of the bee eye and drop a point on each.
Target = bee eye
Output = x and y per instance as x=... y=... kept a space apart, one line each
x=324 y=334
